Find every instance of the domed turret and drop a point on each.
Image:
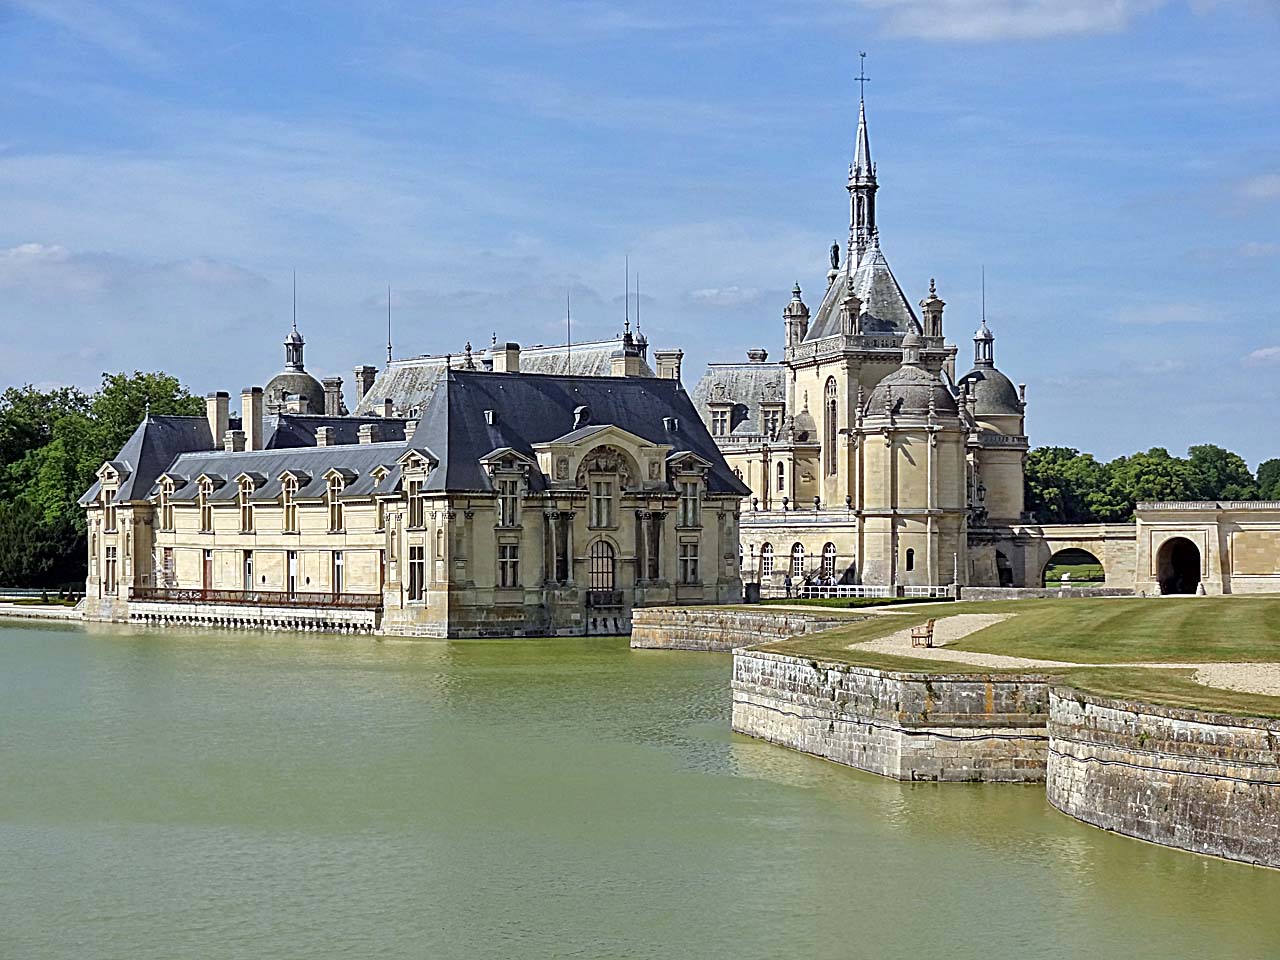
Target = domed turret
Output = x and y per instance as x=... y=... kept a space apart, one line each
x=294 y=381
x=994 y=394
x=795 y=317
x=911 y=390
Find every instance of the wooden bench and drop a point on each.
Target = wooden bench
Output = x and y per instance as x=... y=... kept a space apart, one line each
x=922 y=635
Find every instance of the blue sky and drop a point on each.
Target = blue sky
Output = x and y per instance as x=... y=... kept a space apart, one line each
x=1114 y=164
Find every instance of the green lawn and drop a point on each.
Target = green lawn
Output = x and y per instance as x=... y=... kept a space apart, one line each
x=1182 y=630
x=1080 y=573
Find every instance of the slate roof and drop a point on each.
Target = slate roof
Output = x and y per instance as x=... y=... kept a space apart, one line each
x=744 y=385
x=885 y=307
x=411 y=383
x=150 y=450
x=291 y=430
x=995 y=393
x=529 y=409
x=539 y=408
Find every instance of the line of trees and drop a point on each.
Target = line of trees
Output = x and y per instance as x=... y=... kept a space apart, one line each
x=52 y=443
x=1064 y=485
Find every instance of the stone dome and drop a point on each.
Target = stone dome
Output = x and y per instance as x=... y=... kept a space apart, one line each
x=906 y=392
x=995 y=393
x=294 y=383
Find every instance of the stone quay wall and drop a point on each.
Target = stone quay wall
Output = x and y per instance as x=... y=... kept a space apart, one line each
x=721 y=630
x=965 y=728
x=306 y=619
x=1040 y=593
x=1198 y=781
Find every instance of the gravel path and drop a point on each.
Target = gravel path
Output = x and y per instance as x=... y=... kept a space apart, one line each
x=1261 y=678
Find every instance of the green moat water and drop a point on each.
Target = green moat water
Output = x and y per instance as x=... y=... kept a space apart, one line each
x=210 y=795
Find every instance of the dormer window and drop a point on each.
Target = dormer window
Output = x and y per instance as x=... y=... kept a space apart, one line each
x=771 y=422
x=246 y=508
x=206 y=507
x=690 y=514
x=719 y=423
x=166 y=505
x=417 y=504
x=333 y=501
x=109 y=510
x=289 y=504
x=508 y=501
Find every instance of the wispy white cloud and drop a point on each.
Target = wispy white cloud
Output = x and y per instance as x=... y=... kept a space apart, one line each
x=1261 y=188
x=727 y=296
x=988 y=20
x=124 y=29
x=1263 y=356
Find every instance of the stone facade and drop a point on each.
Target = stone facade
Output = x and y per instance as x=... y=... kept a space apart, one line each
x=966 y=728
x=1197 y=781
x=1212 y=547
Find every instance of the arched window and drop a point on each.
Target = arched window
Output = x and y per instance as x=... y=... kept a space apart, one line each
x=766 y=560
x=829 y=561
x=911 y=559
x=602 y=565
x=797 y=560
x=246 y=508
x=829 y=426
x=782 y=476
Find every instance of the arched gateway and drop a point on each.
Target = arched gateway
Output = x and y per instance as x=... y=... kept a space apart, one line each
x=1178 y=566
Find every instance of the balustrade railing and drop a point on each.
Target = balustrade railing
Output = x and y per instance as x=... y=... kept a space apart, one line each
x=258 y=598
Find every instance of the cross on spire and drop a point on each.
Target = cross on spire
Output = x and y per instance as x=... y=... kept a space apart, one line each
x=862 y=77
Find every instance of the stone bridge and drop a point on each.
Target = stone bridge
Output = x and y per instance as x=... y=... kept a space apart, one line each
x=1017 y=555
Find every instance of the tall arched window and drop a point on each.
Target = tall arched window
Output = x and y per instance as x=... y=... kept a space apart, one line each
x=246 y=508
x=288 y=505
x=333 y=500
x=766 y=560
x=829 y=561
x=829 y=426
x=602 y=565
x=797 y=560
x=911 y=559
x=782 y=476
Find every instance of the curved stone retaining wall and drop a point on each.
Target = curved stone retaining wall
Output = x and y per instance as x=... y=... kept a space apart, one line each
x=720 y=630
x=1197 y=781
x=973 y=727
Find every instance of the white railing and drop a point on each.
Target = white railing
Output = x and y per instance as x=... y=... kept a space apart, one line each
x=826 y=592
x=943 y=591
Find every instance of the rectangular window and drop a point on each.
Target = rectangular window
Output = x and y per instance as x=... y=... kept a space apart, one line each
x=381 y=515
x=206 y=513
x=292 y=572
x=109 y=580
x=602 y=503
x=166 y=510
x=335 y=505
x=417 y=572
x=508 y=564
x=337 y=571
x=109 y=510
x=690 y=503
x=246 y=510
x=288 y=506
x=166 y=568
x=417 y=505
x=508 y=500
x=719 y=423
x=247 y=577
x=688 y=563
x=771 y=423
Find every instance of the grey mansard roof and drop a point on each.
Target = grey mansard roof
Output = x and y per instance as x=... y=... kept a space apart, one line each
x=149 y=451
x=527 y=409
x=885 y=307
x=744 y=385
x=411 y=383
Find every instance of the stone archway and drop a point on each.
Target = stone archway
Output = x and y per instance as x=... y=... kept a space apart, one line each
x=1081 y=566
x=1178 y=566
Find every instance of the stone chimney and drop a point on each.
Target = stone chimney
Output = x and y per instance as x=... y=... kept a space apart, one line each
x=668 y=363
x=365 y=375
x=506 y=358
x=758 y=355
x=233 y=442
x=251 y=417
x=369 y=433
x=332 y=396
x=388 y=409
x=217 y=409
x=324 y=437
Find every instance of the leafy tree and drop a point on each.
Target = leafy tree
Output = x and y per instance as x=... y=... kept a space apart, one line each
x=1269 y=479
x=1064 y=485
x=1220 y=474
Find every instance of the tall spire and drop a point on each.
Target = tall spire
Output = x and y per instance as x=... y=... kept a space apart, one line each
x=388 y=323
x=862 y=178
